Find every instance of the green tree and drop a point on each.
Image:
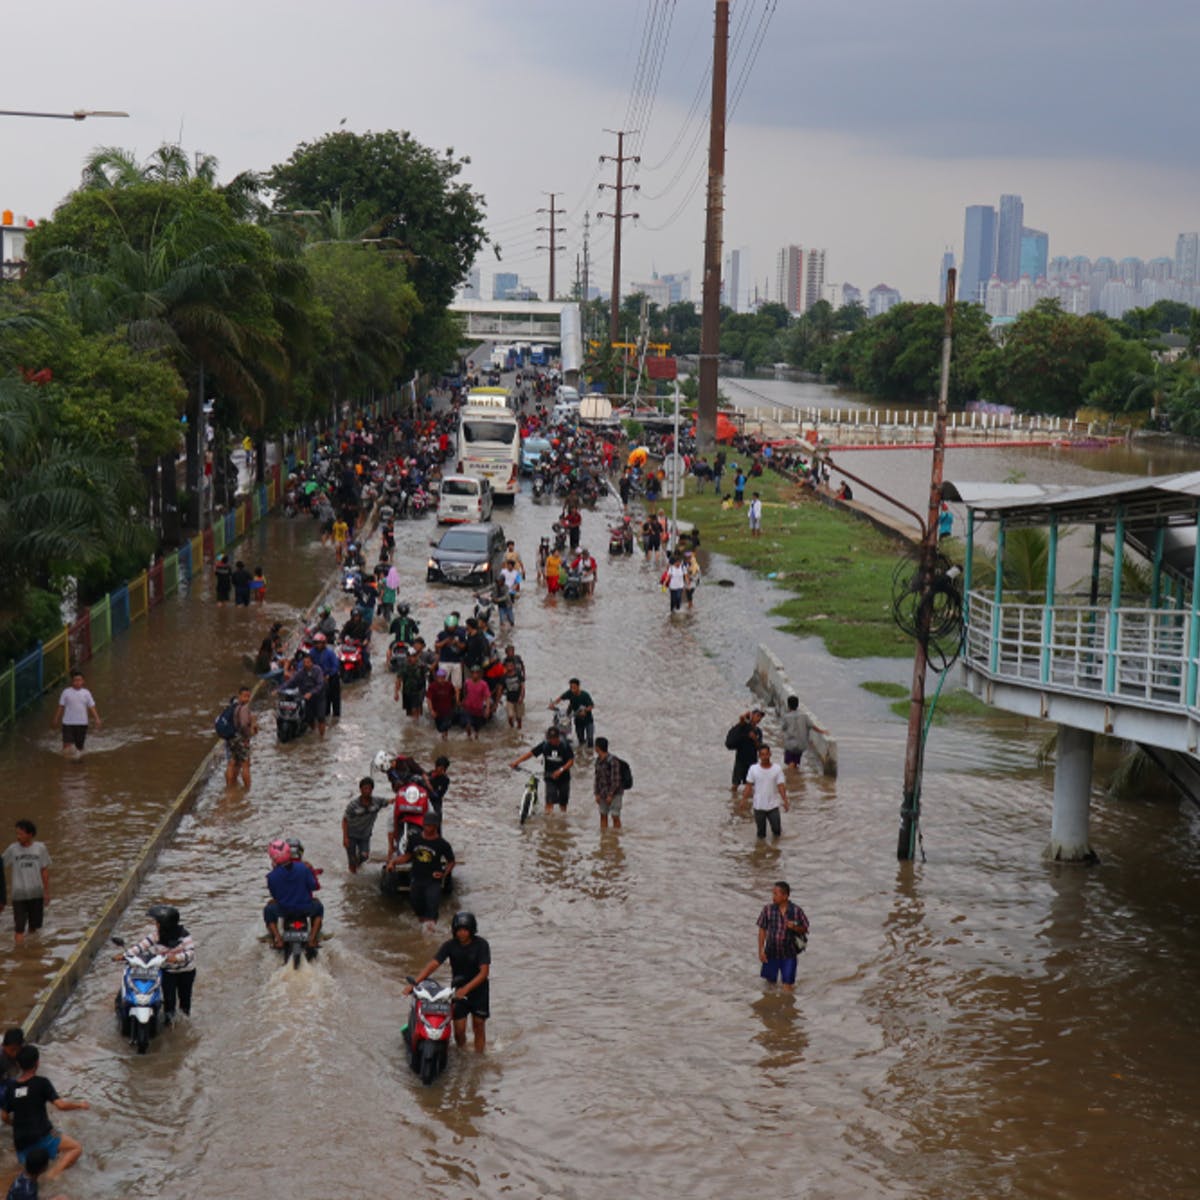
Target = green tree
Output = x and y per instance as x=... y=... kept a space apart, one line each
x=1045 y=359
x=421 y=201
x=1115 y=382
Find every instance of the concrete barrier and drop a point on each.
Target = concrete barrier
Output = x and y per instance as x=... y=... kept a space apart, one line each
x=770 y=681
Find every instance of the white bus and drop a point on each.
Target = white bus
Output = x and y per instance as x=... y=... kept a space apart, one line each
x=489 y=441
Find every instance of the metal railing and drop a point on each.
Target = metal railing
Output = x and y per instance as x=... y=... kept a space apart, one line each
x=1134 y=654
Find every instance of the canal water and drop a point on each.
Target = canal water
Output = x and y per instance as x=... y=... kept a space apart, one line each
x=977 y=1024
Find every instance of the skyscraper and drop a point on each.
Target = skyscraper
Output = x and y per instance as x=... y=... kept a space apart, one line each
x=814 y=277
x=739 y=280
x=947 y=266
x=503 y=282
x=979 y=252
x=1187 y=257
x=1035 y=253
x=789 y=278
x=1008 y=238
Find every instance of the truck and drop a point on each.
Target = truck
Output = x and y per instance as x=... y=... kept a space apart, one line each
x=501 y=358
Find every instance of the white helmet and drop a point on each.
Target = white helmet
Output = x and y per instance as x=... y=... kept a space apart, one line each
x=412 y=794
x=381 y=762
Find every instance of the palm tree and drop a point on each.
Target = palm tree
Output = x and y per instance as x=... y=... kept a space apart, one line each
x=110 y=167
x=64 y=504
x=196 y=290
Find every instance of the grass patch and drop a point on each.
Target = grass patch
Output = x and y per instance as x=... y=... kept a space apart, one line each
x=838 y=568
x=958 y=703
x=877 y=687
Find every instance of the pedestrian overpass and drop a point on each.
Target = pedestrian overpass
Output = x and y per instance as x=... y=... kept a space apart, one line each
x=1117 y=653
x=529 y=322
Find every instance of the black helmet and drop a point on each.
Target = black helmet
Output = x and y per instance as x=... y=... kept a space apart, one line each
x=464 y=920
x=402 y=610
x=165 y=916
x=297 y=847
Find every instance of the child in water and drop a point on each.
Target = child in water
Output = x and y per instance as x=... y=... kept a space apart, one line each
x=258 y=586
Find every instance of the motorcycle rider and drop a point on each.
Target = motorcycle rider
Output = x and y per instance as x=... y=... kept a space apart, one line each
x=292 y=883
x=432 y=859
x=326 y=624
x=470 y=964
x=359 y=629
x=326 y=661
x=309 y=681
x=403 y=628
x=172 y=940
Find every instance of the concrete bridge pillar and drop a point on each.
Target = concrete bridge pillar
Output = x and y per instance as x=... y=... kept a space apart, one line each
x=1072 y=796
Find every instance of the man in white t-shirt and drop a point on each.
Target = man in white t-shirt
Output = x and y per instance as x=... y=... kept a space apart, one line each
x=765 y=781
x=74 y=705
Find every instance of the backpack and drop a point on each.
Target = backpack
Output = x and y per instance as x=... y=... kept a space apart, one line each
x=626 y=775
x=224 y=724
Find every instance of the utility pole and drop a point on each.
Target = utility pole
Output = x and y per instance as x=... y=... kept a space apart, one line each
x=710 y=316
x=583 y=295
x=551 y=229
x=619 y=215
x=914 y=755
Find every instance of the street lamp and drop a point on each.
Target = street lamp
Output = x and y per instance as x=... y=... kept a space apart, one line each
x=78 y=115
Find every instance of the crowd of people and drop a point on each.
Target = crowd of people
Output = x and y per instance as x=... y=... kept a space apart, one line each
x=460 y=679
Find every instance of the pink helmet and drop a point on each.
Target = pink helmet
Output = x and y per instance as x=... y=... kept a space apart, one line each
x=279 y=852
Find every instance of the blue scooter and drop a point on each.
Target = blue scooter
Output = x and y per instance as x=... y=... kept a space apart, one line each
x=140 y=999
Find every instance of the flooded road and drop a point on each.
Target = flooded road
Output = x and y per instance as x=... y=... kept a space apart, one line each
x=980 y=1024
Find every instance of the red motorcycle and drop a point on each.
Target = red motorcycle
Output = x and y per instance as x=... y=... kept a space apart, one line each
x=352 y=656
x=427 y=1034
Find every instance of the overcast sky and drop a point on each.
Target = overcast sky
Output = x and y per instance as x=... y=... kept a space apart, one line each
x=862 y=128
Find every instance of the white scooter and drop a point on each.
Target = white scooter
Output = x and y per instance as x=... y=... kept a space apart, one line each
x=140 y=999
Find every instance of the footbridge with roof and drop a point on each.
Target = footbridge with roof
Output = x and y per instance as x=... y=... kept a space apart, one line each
x=555 y=322
x=1117 y=652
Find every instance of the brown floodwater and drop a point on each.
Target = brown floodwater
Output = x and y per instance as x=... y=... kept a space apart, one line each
x=981 y=1023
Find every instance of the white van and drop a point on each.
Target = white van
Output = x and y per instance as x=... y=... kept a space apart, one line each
x=464 y=498
x=566 y=394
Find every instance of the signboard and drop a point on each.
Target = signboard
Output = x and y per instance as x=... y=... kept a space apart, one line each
x=673 y=475
x=661 y=368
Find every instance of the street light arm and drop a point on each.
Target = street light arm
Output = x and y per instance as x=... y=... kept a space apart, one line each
x=78 y=115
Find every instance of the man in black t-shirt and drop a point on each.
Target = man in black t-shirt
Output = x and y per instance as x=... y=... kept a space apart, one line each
x=470 y=965
x=558 y=758
x=431 y=860
x=25 y=1110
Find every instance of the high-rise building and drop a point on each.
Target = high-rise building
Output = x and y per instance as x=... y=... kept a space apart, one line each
x=979 y=252
x=947 y=267
x=1187 y=258
x=1081 y=265
x=880 y=298
x=1035 y=254
x=1131 y=271
x=739 y=280
x=1009 y=224
x=789 y=278
x=1059 y=268
x=1160 y=269
x=814 y=277
x=504 y=282
x=850 y=295
x=680 y=285
x=470 y=287
x=656 y=290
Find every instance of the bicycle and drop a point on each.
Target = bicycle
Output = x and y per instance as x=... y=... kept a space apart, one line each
x=529 y=797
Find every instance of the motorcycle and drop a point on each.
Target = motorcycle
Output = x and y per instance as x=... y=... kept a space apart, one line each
x=538 y=485
x=620 y=540
x=351 y=580
x=290 y=722
x=353 y=660
x=294 y=931
x=560 y=537
x=430 y=1023
x=397 y=654
x=573 y=588
x=139 y=1001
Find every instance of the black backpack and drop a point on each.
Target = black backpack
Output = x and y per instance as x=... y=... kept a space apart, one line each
x=626 y=775
x=224 y=724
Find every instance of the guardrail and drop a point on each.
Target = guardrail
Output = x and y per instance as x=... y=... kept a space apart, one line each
x=51 y=661
x=771 y=682
x=1135 y=655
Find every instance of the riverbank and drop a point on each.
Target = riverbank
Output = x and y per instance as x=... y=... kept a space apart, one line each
x=838 y=568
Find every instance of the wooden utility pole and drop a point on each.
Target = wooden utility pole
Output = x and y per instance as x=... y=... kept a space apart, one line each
x=914 y=756
x=587 y=229
x=710 y=315
x=552 y=230
x=618 y=215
